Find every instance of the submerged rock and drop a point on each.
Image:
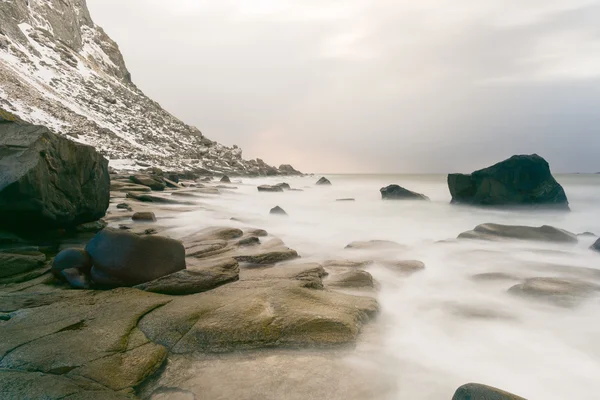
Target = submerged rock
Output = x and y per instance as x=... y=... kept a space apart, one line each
x=126 y=259
x=144 y=216
x=523 y=180
x=374 y=245
x=152 y=181
x=405 y=267
x=323 y=181
x=395 y=192
x=48 y=181
x=352 y=279
x=225 y=179
x=543 y=233
x=476 y=391
x=596 y=246
x=564 y=292
x=278 y=211
x=269 y=188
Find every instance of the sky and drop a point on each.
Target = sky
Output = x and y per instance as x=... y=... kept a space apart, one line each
x=384 y=86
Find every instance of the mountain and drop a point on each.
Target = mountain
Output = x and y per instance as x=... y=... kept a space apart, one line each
x=59 y=69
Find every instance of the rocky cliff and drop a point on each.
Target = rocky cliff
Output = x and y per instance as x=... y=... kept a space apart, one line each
x=60 y=70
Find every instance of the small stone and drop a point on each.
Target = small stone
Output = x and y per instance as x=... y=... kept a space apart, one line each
x=278 y=211
x=225 y=179
x=123 y=206
x=144 y=216
x=323 y=181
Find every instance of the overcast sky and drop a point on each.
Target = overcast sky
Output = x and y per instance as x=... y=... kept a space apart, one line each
x=373 y=86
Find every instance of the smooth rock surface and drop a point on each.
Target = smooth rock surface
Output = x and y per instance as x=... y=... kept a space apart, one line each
x=323 y=181
x=269 y=188
x=396 y=192
x=144 y=216
x=18 y=263
x=563 y=292
x=476 y=391
x=596 y=245
x=152 y=181
x=543 y=233
x=277 y=211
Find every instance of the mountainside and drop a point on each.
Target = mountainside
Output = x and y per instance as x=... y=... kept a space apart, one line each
x=60 y=70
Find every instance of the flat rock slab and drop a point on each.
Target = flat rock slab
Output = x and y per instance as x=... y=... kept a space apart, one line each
x=352 y=279
x=244 y=315
x=563 y=292
x=543 y=233
x=374 y=245
x=14 y=264
x=405 y=267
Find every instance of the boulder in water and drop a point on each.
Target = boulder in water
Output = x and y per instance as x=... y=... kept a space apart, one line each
x=144 y=216
x=523 y=180
x=269 y=188
x=395 y=192
x=596 y=246
x=563 y=292
x=154 y=182
x=125 y=259
x=323 y=181
x=278 y=211
x=287 y=169
x=476 y=391
x=283 y=185
x=48 y=181
x=543 y=233
x=225 y=179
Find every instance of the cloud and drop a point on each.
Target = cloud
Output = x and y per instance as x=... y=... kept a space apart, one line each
x=363 y=86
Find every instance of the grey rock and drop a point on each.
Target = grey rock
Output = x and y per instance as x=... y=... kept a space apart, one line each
x=563 y=292
x=323 y=181
x=543 y=233
x=71 y=258
x=283 y=185
x=596 y=245
x=277 y=211
x=352 y=279
x=93 y=227
x=523 y=180
x=123 y=206
x=14 y=264
x=476 y=391
x=269 y=188
x=405 y=267
x=148 y=198
x=225 y=179
x=123 y=258
x=152 y=181
x=346 y=199
x=395 y=192
x=374 y=245
x=286 y=169
x=48 y=181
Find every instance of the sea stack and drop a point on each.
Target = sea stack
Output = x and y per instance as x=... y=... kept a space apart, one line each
x=522 y=180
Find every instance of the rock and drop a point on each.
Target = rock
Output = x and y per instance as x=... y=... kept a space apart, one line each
x=283 y=185
x=495 y=276
x=124 y=206
x=218 y=233
x=75 y=278
x=71 y=258
x=346 y=263
x=93 y=227
x=190 y=281
x=123 y=258
x=257 y=232
x=225 y=179
x=347 y=199
x=587 y=234
x=257 y=314
x=144 y=216
x=48 y=181
x=311 y=274
x=523 y=180
x=596 y=245
x=395 y=192
x=323 y=181
x=148 y=198
x=543 y=233
x=152 y=181
x=405 y=266
x=118 y=186
x=270 y=256
x=564 y=292
x=374 y=245
x=249 y=241
x=287 y=169
x=476 y=391
x=13 y=264
x=269 y=188
x=352 y=279
x=278 y=211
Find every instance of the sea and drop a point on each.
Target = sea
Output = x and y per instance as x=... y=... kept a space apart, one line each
x=442 y=327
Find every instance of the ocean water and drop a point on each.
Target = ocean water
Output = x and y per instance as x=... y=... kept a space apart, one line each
x=440 y=328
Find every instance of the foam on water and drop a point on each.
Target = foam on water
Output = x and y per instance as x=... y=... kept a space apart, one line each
x=440 y=328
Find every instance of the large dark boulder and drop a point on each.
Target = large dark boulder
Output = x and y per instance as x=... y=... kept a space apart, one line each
x=476 y=391
x=48 y=181
x=126 y=259
x=323 y=181
x=523 y=180
x=395 y=192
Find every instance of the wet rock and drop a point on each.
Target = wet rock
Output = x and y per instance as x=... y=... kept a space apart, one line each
x=124 y=206
x=323 y=181
x=596 y=246
x=19 y=263
x=92 y=227
x=347 y=199
x=374 y=245
x=287 y=169
x=476 y=391
x=395 y=192
x=225 y=179
x=311 y=274
x=249 y=241
x=278 y=211
x=257 y=232
x=75 y=278
x=171 y=184
x=346 y=263
x=495 y=276
x=48 y=181
x=123 y=258
x=587 y=234
x=352 y=279
x=148 y=198
x=118 y=186
x=71 y=258
x=269 y=256
x=190 y=281
x=564 y=292
x=255 y=314
x=214 y=233
x=543 y=233
x=523 y=180
x=152 y=181
x=144 y=216
x=283 y=185
x=269 y=188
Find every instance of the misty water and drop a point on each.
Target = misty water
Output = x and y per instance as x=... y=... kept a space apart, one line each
x=441 y=328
